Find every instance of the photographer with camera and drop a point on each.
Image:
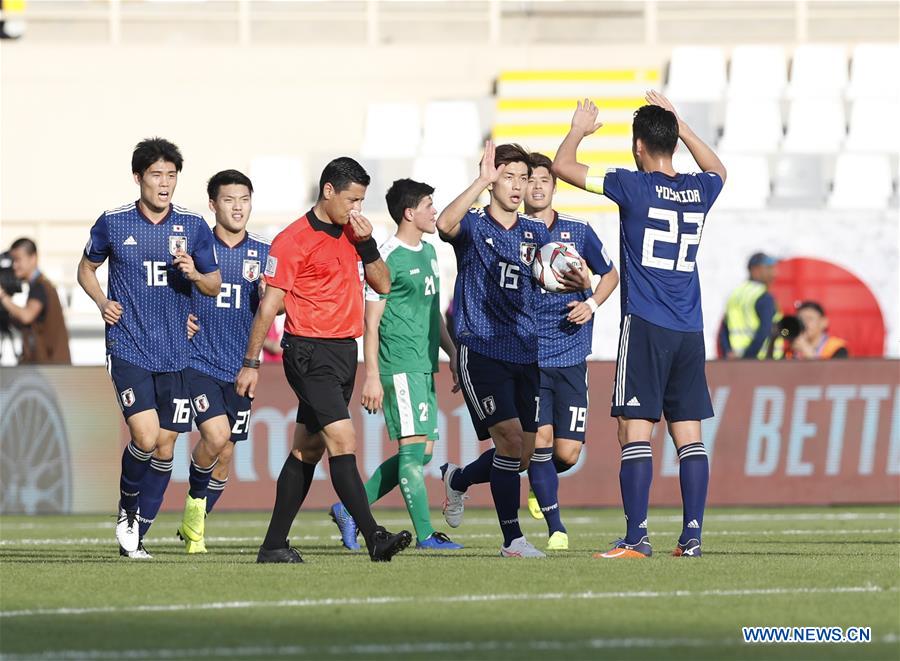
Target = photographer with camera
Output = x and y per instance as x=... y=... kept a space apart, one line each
x=45 y=339
x=751 y=317
x=813 y=341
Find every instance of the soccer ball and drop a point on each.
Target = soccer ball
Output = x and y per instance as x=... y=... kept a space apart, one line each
x=552 y=261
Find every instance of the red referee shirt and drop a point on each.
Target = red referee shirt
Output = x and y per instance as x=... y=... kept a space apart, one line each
x=317 y=266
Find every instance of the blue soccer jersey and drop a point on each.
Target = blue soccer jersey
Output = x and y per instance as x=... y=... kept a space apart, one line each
x=494 y=293
x=661 y=221
x=225 y=320
x=154 y=296
x=562 y=343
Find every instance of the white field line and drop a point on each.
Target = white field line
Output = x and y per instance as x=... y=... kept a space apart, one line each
x=164 y=541
x=454 y=599
x=492 y=521
x=373 y=649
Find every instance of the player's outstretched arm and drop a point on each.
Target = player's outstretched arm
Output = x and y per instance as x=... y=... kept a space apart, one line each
x=565 y=164
x=247 y=378
x=452 y=215
x=111 y=311
x=703 y=154
x=373 y=391
x=580 y=312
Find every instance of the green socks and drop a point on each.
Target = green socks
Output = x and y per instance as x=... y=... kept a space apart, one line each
x=412 y=486
x=383 y=480
x=385 y=477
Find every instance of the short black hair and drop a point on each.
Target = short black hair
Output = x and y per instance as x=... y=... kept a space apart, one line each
x=342 y=172
x=657 y=128
x=226 y=178
x=150 y=150
x=539 y=160
x=405 y=194
x=512 y=153
x=811 y=305
x=27 y=244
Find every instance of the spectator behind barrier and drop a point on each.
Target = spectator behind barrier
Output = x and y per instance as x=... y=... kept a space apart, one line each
x=814 y=342
x=45 y=340
x=751 y=315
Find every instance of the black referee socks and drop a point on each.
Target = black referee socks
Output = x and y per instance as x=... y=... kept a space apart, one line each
x=348 y=486
x=293 y=484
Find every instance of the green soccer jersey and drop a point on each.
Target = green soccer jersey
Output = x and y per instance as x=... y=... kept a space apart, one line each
x=410 y=330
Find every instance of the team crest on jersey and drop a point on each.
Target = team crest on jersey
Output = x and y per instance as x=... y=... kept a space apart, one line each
x=251 y=270
x=489 y=405
x=177 y=244
x=434 y=266
x=526 y=252
x=201 y=403
x=127 y=397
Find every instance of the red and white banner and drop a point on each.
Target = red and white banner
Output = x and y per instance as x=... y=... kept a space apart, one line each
x=784 y=434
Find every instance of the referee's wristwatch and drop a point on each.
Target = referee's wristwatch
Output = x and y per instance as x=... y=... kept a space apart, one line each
x=252 y=363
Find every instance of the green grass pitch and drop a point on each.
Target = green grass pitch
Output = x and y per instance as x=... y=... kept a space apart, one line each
x=65 y=593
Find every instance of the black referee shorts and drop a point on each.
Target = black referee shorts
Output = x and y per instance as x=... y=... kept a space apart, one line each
x=321 y=373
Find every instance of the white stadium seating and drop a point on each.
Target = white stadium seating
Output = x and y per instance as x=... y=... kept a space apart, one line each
x=861 y=181
x=815 y=126
x=818 y=70
x=757 y=72
x=696 y=74
x=752 y=126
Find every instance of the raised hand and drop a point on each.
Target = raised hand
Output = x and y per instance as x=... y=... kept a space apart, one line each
x=584 y=120
x=362 y=228
x=488 y=172
x=185 y=263
x=655 y=98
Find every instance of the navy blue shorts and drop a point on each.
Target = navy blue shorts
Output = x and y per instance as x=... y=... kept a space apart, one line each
x=564 y=400
x=660 y=371
x=139 y=390
x=212 y=397
x=496 y=390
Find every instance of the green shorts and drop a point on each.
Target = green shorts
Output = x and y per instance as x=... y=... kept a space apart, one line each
x=410 y=405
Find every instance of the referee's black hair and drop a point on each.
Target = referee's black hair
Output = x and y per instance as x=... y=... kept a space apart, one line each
x=657 y=128
x=405 y=194
x=342 y=172
x=226 y=178
x=150 y=150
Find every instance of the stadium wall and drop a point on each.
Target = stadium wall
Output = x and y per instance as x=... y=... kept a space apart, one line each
x=784 y=434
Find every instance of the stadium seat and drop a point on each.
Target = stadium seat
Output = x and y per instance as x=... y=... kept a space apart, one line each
x=696 y=73
x=799 y=181
x=873 y=126
x=861 y=181
x=818 y=70
x=748 y=184
x=815 y=126
x=393 y=130
x=752 y=126
x=873 y=71
x=450 y=175
x=452 y=128
x=757 y=72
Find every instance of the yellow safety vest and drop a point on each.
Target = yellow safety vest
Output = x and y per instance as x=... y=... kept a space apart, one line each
x=742 y=320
